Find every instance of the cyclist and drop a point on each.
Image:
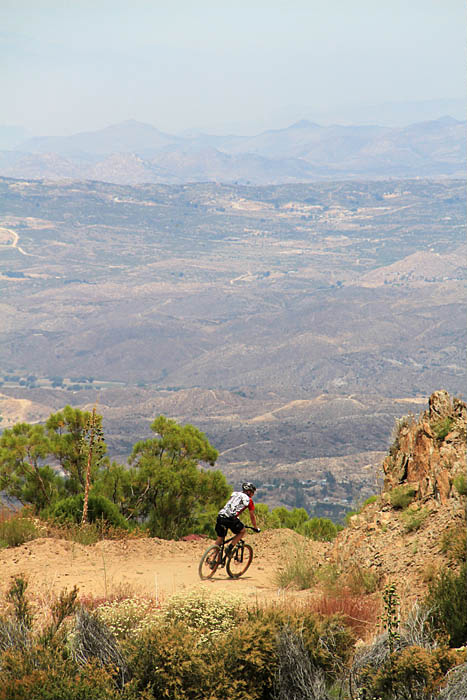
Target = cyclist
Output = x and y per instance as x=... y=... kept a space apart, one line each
x=228 y=515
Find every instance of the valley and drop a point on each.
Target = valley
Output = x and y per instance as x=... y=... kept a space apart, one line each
x=291 y=323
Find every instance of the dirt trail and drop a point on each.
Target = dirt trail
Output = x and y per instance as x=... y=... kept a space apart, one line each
x=146 y=566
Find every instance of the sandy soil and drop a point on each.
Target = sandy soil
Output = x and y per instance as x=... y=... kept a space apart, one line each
x=146 y=566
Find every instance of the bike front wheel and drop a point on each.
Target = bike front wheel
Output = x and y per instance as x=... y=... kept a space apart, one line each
x=209 y=562
x=239 y=561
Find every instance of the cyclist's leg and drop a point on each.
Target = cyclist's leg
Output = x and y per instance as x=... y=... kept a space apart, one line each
x=239 y=531
x=221 y=531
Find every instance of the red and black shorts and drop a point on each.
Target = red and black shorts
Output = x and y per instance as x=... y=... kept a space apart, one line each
x=223 y=524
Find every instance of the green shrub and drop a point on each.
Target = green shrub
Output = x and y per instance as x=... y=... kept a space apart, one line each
x=65 y=605
x=420 y=670
x=16 y=596
x=335 y=648
x=369 y=500
x=460 y=484
x=99 y=509
x=319 y=529
x=16 y=530
x=447 y=596
x=251 y=657
x=168 y=662
x=402 y=496
x=266 y=519
x=442 y=428
x=43 y=674
x=413 y=519
x=349 y=515
x=292 y=519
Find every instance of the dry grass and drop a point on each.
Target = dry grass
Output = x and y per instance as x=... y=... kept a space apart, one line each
x=116 y=594
x=359 y=612
x=90 y=533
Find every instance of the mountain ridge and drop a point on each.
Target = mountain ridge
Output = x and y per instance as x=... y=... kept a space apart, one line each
x=302 y=152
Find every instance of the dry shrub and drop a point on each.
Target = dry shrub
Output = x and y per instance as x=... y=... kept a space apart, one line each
x=328 y=641
x=298 y=569
x=13 y=634
x=413 y=519
x=116 y=594
x=359 y=612
x=453 y=542
x=296 y=679
x=429 y=572
x=361 y=580
x=456 y=685
x=92 y=641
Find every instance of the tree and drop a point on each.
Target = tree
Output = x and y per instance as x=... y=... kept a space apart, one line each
x=69 y=433
x=168 y=489
x=290 y=518
x=114 y=482
x=24 y=473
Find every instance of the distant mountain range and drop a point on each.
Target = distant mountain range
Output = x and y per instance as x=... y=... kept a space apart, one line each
x=134 y=153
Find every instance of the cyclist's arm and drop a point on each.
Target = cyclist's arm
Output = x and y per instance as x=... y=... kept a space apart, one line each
x=253 y=518
x=251 y=510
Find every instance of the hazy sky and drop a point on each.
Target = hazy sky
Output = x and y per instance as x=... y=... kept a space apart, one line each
x=76 y=65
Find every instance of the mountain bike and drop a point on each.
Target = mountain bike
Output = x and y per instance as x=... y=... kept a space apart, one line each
x=216 y=556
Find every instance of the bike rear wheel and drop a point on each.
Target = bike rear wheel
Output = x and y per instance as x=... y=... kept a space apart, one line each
x=239 y=561
x=209 y=562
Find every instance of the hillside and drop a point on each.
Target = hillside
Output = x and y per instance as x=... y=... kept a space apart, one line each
x=383 y=543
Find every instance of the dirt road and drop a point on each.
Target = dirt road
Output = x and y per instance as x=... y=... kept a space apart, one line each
x=152 y=567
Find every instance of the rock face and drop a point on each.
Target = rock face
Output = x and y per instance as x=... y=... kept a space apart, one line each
x=407 y=543
x=429 y=453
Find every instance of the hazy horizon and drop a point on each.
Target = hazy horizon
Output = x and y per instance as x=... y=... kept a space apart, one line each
x=240 y=69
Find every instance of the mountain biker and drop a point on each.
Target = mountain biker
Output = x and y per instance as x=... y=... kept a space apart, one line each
x=228 y=515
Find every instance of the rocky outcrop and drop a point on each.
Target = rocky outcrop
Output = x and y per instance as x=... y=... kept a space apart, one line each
x=408 y=542
x=429 y=453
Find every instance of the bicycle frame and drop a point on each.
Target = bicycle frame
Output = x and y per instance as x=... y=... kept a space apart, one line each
x=237 y=551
